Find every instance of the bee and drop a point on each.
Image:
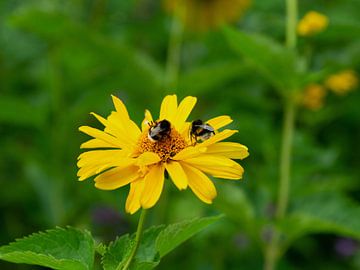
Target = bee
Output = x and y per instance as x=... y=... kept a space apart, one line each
x=159 y=130
x=201 y=131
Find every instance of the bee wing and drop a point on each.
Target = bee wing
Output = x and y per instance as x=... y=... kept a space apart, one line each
x=207 y=127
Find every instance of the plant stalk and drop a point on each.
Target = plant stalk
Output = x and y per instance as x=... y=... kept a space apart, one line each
x=272 y=250
x=137 y=239
x=291 y=23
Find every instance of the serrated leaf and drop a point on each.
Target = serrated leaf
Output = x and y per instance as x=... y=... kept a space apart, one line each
x=147 y=250
x=63 y=249
x=175 y=234
x=322 y=213
x=146 y=256
x=274 y=61
x=117 y=252
x=155 y=243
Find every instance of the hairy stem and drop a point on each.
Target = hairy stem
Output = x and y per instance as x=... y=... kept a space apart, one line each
x=137 y=239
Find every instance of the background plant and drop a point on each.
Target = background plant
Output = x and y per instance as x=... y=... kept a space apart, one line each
x=59 y=61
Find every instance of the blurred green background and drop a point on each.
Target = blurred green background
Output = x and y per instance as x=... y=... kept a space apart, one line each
x=60 y=60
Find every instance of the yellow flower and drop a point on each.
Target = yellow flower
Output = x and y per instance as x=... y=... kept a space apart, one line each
x=201 y=15
x=313 y=96
x=126 y=155
x=343 y=82
x=312 y=23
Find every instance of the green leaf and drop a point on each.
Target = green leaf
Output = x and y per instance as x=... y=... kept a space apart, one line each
x=59 y=248
x=202 y=79
x=117 y=252
x=175 y=234
x=276 y=63
x=156 y=242
x=322 y=213
x=147 y=250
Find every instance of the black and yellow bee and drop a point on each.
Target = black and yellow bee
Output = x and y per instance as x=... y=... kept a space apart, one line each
x=159 y=130
x=200 y=131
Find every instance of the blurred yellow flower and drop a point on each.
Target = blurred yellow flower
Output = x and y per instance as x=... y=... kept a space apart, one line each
x=343 y=82
x=313 y=97
x=202 y=15
x=312 y=23
x=127 y=155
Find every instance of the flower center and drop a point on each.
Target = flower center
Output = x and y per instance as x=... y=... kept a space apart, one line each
x=166 y=148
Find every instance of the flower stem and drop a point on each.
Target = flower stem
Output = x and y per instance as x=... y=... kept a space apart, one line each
x=174 y=52
x=272 y=250
x=137 y=239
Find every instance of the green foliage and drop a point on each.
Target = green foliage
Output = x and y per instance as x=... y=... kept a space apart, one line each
x=175 y=234
x=235 y=204
x=62 y=249
x=117 y=252
x=276 y=63
x=24 y=115
x=95 y=49
x=70 y=248
x=155 y=244
x=337 y=215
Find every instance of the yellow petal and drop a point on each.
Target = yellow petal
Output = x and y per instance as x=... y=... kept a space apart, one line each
x=96 y=156
x=218 y=137
x=98 y=134
x=147 y=158
x=189 y=152
x=147 y=119
x=96 y=143
x=94 y=162
x=101 y=119
x=116 y=177
x=120 y=107
x=133 y=199
x=217 y=166
x=168 y=108
x=124 y=129
x=220 y=121
x=183 y=112
x=200 y=184
x=228 y=149
x=185 y=131
x=86 y=172
x=154 y=182
x=177 y=174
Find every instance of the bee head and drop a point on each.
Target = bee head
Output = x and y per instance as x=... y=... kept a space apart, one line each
x=164 y=125
x=197 y=122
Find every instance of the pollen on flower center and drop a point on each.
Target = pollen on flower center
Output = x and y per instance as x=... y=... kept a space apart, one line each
x=166 y=148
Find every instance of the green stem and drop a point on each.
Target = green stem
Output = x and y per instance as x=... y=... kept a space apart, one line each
x=137 y=239
x=285 y=161
x=291 y=23
x=174 y=52
x=272 y=250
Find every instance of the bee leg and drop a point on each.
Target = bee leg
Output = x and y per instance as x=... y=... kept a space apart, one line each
x=195 y=140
